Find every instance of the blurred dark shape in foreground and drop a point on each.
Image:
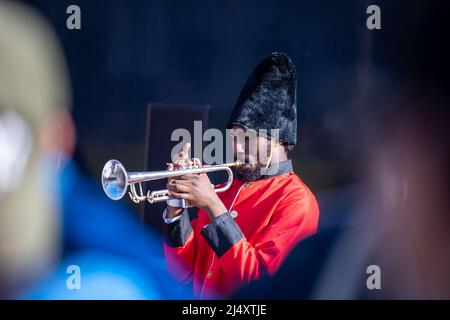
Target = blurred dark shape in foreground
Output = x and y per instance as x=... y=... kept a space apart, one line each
x=52 y=217
x=397 y=218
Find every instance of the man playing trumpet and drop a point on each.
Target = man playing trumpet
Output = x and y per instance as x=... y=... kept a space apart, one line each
x=247 y=231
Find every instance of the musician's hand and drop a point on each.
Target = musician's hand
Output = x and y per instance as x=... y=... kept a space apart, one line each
x=180 y=161
x=198 y=190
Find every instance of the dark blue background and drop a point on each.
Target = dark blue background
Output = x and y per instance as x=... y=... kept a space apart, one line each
x=130 y=53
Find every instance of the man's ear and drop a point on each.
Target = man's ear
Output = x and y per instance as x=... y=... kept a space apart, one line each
x=57 y=133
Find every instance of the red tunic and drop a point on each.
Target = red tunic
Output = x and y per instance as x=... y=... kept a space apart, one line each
x=274 y=214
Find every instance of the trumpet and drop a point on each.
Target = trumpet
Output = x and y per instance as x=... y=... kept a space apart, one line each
x=116 y=180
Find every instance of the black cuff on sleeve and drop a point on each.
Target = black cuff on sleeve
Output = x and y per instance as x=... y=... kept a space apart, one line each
x=222 y=233
x=177 y=232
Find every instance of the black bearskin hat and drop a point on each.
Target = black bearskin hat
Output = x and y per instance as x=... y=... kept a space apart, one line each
x=269 y=99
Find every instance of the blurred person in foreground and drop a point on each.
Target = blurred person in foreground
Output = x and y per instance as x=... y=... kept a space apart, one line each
x=52 y=217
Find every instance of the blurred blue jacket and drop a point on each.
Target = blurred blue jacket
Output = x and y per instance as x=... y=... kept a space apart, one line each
x=119 y=257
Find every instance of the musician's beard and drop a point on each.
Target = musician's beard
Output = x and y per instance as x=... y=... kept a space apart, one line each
x=249 y=173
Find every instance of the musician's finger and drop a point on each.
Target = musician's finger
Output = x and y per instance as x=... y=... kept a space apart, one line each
x=187 y=177
x=186 y=148
x=171 y=187
x=196 y=163
x=184 y=153
x=179 y=164
x=183 y=182
x=179 y=188
x=179 y=195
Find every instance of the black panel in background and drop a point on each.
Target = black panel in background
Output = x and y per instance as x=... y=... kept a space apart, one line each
x=162 y=120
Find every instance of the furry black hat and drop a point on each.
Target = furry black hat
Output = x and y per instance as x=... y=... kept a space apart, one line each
x=269 y=99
